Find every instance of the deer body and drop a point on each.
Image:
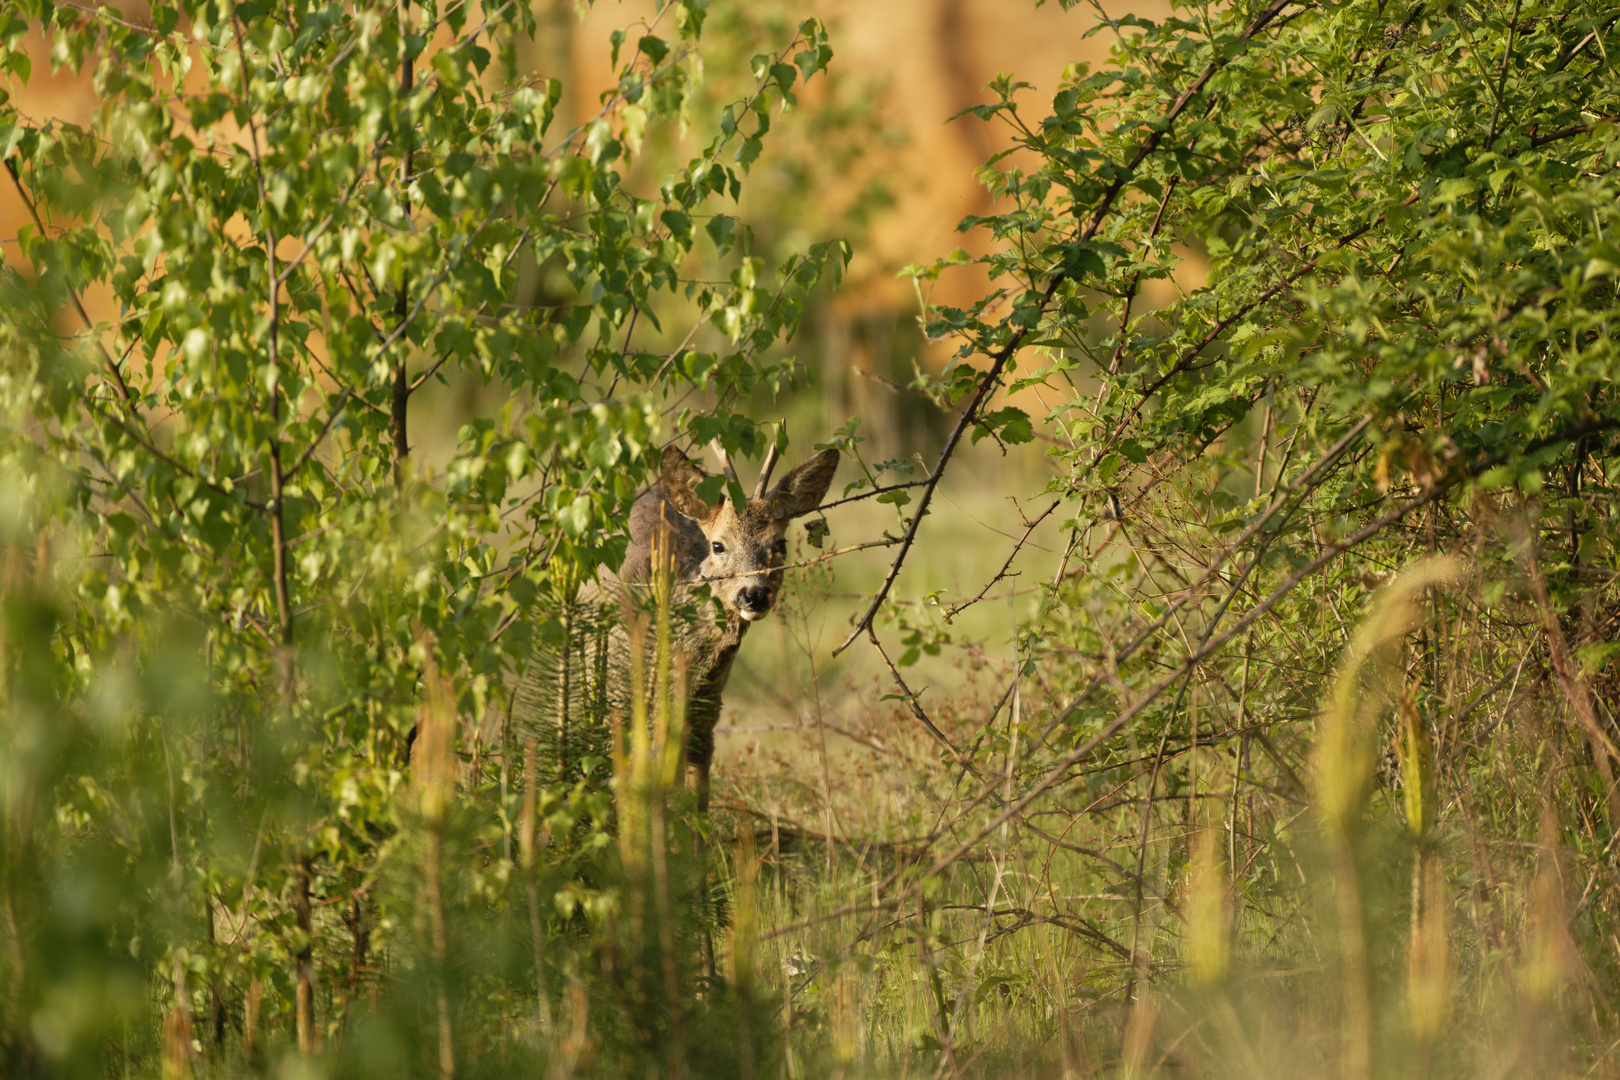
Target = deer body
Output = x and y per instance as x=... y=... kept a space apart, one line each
x=738 y=556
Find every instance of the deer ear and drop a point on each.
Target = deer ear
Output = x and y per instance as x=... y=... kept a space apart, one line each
x=680 y=479
x=802 y=490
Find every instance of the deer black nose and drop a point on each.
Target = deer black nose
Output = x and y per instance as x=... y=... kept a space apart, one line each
x=754 y=599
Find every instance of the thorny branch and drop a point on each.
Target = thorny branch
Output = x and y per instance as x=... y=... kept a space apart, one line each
x=1002 y=573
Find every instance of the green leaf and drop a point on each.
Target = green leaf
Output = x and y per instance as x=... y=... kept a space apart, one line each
x=1011 y=425
x=655 y=48
x=1595 y=657
x=721 y=230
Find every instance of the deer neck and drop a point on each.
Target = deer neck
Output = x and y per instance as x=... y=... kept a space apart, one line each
x=732 y=631
x=704 y=697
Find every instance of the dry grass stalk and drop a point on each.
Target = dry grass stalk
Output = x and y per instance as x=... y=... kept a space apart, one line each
x=530 y=844
x=1345 y=754
x=435 y=781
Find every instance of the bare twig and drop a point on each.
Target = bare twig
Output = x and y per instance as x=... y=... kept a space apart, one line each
x=872 y=494
x=326 y=428
x=1572 y=680
x=910 y=698
x=1002 y=573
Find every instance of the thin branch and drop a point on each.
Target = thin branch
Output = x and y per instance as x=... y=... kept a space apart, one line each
x=106 y=13
x=1501 y=82
x=151 y=448
x=398 y=412
x=1579 y=129
x=871 y=494
x=421 y=302
x=910 y=699
x=278 y=531
x=1002 y=573
x=320 y=230
x=326 y=428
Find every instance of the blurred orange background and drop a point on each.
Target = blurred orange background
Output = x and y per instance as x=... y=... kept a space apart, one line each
x=922 y=61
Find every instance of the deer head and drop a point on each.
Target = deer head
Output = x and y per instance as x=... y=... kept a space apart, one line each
x=745 y=552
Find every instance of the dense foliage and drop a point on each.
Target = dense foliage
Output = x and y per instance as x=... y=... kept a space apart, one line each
x=322 y=226
x=1404 y=349
x=1317 y=301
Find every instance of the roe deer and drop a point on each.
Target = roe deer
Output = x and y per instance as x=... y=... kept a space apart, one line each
x=739 y=556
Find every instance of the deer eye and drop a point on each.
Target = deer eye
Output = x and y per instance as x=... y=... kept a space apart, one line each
x=780 y=547
x=718 y=548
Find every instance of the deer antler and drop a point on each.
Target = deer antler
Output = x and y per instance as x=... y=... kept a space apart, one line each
x=725 y=461
x=765 y=472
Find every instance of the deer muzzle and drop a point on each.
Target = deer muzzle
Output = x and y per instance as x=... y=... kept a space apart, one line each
x=754 y=600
